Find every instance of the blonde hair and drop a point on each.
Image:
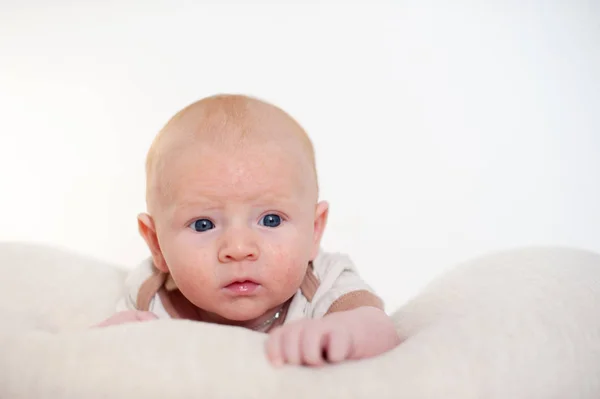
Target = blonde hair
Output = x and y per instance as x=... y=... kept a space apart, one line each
x=240 y=116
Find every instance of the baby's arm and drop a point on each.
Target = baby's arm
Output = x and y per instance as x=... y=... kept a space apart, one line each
x=348 y=322
x=352 y=334
x=127 y=310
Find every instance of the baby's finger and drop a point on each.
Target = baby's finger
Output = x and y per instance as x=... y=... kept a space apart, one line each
x=339 y=345
x=313 y=342
x=274 y=347
x=291 y=339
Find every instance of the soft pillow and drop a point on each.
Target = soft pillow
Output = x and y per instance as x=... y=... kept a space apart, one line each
x=517 y=324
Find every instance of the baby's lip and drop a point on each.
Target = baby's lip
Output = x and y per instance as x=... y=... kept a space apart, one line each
x=242 y=287
x=242 y=280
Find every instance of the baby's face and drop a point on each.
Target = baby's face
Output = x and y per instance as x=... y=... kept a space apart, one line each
x=239 y=226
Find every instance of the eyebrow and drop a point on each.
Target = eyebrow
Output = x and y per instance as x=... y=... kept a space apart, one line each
x=208 y=202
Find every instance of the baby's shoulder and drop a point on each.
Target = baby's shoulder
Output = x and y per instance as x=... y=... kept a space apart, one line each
x=328 y=264
x=137 y=275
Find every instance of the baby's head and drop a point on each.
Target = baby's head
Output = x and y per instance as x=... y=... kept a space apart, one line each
x=233 y=205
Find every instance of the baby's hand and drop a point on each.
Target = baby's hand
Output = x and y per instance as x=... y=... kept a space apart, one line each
x=310 y=342
x=128 y=316
x=348 y=335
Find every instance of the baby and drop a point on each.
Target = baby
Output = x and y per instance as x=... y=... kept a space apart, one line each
x=234 y=228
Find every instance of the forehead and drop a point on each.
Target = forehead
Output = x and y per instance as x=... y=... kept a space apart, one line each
x=261 y=172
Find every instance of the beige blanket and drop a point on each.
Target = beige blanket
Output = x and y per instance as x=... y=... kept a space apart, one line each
x=517 y=324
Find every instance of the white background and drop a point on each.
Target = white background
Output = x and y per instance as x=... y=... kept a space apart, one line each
x=443 y=130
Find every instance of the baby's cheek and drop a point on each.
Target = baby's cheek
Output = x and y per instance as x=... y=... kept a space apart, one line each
x=190 y=268
x=289 y=271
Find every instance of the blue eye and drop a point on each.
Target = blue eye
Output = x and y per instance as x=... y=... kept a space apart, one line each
x=202 y=225
x=271 y=220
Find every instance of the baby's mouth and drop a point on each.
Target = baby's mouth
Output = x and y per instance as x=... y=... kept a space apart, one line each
x=242 y=287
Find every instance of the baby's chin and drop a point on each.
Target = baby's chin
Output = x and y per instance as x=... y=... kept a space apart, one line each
x=241 y=315
x=243 y=312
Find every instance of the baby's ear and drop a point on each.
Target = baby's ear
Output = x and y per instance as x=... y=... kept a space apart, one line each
x=147 y=230
x=321 y=213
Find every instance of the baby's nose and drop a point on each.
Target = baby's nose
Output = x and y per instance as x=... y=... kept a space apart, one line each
x=237 y=247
